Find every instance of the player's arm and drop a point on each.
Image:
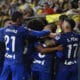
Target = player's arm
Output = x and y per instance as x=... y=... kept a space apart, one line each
x=53 y=35
x=46 y=50
x=39 y=33
x=34 y=33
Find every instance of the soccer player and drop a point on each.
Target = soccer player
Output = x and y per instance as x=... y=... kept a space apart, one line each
x=43 y=59
x=70 y=40
x=29 y=48
x=61 y=20
x=14 y=36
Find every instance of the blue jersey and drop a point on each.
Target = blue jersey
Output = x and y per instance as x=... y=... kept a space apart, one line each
x=70 y=42
x=14 y=37
x=42 y=62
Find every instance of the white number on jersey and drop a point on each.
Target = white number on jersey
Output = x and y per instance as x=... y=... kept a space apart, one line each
x=70 y=50
x=7 y=39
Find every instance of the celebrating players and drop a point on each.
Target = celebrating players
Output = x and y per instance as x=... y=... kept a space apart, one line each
x=13 y=36
x=70 y=40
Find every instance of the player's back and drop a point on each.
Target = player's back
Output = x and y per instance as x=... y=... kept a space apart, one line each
x=42 y=62
x=14 y=41
x=70 y=41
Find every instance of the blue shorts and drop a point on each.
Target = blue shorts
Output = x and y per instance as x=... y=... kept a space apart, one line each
x=67 y=72
x=36 y=75
x=18 y=71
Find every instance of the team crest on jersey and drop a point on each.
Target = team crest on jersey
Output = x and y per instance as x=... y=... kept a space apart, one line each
x=41 y=55
x=57 y=37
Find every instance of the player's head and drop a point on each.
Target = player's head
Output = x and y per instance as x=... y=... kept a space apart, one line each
x=68 y=25
x=51 y=26
x=45 y=5
x=17 y=17
x=61 y=19
x=7 y=22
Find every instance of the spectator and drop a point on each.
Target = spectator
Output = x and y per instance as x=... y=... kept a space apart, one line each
x=5 y=9
x=71 y=8
x=64 y=5
x=13 y=7
x=78 y=9
x=27 y=11
x=57 y=8
x=47 y=9
x=52 y=3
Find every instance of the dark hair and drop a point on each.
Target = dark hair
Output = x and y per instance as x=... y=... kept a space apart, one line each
x=71 y=22
x=37 y=24
x=62 y=17
x=6 y=20
x=54 y=27
x=16 y=15
x=46 y=3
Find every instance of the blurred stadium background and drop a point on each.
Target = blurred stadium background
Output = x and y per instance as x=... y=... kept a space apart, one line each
x=41 y=12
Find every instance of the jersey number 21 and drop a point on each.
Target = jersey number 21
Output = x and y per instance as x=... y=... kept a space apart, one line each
x=7 y=41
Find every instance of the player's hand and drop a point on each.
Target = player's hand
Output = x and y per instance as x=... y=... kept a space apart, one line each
x=47 y=28
x=60 y=48
x=49 y=43
x=52 y=35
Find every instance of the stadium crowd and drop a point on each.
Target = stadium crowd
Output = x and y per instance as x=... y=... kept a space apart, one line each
x=34 y=39
x=37 y=7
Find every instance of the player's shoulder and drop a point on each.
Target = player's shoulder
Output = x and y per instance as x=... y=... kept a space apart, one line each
x=2 y=29
x=23 y=27
x=7 y=27
x=76 y=34
x=62 y=36
x=69 y=34
x=58 y=36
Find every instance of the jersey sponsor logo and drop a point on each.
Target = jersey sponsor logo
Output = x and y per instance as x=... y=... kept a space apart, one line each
x=41 y=56
x=57 y=37
x=10 y=56
x=39 y=61
x=70 y=62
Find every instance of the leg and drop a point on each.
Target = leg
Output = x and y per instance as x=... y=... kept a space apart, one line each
x=5 y=72
x=73 y=73
x=45 y=76
x=35 y=75
x=62 y=73
x=19 y=72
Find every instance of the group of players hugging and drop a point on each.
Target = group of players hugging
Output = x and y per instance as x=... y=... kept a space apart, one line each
x=33 y=60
